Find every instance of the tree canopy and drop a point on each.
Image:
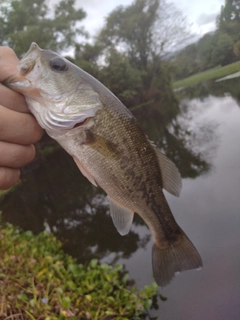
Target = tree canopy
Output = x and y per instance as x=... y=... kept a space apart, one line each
x=144 y=29
x=25 y=21
x=228 y=20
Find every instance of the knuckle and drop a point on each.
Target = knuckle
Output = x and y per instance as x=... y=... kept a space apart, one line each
x=6 y=51
x=22 y=155
x=30 y=153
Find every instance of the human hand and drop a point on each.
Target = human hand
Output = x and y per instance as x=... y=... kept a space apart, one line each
x=18 y=129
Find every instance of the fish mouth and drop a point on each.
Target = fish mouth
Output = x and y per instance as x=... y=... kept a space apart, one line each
x=25 y=68
x=29 y=60
x=18 y=81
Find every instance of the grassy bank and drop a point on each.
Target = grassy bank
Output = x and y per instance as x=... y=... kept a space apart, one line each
x=208 y=75
x=39 y=281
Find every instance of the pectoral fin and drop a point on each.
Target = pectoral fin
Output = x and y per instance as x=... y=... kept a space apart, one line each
x=171 y=177
x=85 y=172
x=122 y=217
x=106 y=147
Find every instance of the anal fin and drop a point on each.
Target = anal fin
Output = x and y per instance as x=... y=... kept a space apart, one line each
x=122 y=217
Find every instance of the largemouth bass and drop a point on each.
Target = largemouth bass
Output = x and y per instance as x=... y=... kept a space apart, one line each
x=110 y=149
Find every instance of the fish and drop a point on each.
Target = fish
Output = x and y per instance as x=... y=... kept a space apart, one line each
x=111 y=150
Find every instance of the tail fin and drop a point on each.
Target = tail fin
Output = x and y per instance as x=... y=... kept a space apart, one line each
x=179 y=256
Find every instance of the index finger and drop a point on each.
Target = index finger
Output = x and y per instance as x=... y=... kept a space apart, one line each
x=8 y=62
x=8 y=66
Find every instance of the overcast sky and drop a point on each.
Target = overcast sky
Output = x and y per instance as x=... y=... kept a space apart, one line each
x=201 y=14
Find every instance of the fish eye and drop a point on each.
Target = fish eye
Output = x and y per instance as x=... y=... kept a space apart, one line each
x=58 y=64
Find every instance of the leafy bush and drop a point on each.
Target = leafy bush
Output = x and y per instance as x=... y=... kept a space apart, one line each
x=39 y=281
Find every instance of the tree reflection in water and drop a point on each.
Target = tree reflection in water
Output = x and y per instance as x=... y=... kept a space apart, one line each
x=77 y=212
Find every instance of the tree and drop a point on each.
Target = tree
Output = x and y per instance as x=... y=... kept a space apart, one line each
x=222 y=52
x=25 y=21
x=185 y=62
x=229 y=19
x=133 y=31
x=128 y=82
x=129 y=30
x=205 y=48
x=145 y=29
x=86 y=57
x=214 y=50
x=236 y=49
x=170 y=28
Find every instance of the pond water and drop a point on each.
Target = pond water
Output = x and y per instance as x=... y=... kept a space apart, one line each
x=203 y=140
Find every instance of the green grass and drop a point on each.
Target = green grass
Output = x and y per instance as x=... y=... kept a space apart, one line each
x=208 y=75
x=39 y=281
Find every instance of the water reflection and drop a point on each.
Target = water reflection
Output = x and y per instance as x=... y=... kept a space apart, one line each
x=174 y=133
x=202 y=90
x=77 y=212
x=54 y=191
x=74 y=210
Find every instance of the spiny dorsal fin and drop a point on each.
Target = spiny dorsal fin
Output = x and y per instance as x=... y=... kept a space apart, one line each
x=171 y=177
x=122 y=217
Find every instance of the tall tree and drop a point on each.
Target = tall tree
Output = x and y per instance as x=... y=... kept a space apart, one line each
x=185 y=62
x=129 y=29
x=229 y=19
x=222 y=51
x=134 y=39
x=24 y=21
x=134 y=31
x=205 y=48
x=144 y=29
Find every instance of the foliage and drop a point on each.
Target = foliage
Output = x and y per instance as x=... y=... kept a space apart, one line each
x=144 y=29
x=222 y=53
x=86 y=57
x=228 y=20
x=123 y=79
x=213 y=49
x=236 y=48
x=170 y=29
x=26 y=21
x=130 y=29
x=134 y=69
x=185 y=63
x=38 y=280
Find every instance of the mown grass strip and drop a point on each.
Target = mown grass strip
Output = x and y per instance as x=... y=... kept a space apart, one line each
x=39 y=281
x=208 y=75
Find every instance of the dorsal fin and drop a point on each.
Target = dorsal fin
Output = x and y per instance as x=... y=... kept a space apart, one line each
x=171 y=177
x=122 y=217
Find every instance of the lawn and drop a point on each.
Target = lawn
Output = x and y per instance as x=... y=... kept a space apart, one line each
x=214 y=73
